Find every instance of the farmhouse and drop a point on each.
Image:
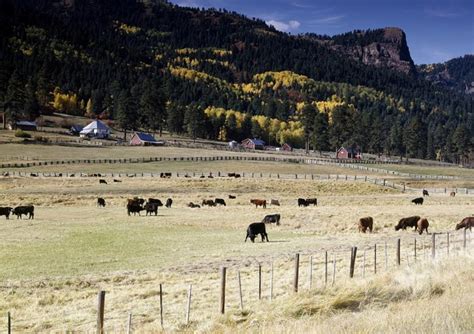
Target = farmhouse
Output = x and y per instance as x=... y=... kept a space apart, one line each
x=253 y=144
x=349 y=153
x=145 y=139
x=96 y=129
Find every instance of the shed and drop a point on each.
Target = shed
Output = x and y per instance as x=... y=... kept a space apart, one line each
x=96 y=129
x=349 y=153
x=26 y=126
x=144 y=139
x=253 y=144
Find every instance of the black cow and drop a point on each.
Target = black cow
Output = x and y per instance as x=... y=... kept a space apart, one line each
x=407 y=222
x=165 y=175
x=255 y=229
x=5 y=211
x=102 y=181
x=151 y=208
x=232 y=197
x=101 y=202
x=192 y=205
x=219 y=201
x=302 y=202
x=313 y=201
x=275 y=218
x=117 y=181
x=425 y=192
x=19 y=211
x=418 y=200
x=156 y=201
x=208 y=202
x=169 y=203
x=134 y=208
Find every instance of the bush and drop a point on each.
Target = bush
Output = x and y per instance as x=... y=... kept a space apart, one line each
x=22 y=134
x=41 y=139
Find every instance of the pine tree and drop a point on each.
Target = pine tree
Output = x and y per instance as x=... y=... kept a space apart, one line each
x=31 y=107
x=127 y=116
x=320 y=134
x=153 y=107
x=194 y=121
x=15 y=98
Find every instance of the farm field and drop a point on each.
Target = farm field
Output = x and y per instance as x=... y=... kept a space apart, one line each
x=429 y=170
x=54 y=265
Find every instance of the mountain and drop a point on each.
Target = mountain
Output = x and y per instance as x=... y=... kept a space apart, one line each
x=220 y=75
x=457 y=74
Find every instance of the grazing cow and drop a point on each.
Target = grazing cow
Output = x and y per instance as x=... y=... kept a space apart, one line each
x=425 y=192
x=5 y=211
x=117 y=181
x=275 y=218
x=151 y=208
x=237 y=176
x=259 y=202
x=407 y=222
x=452 y=194
x=208 y=202
x=165 y=175
x=100 y=202
x=231 y=174
x=255 y=229
x=220 y=201
x=102 y=181
x=421 y=225
x=302 y=202
x=313 y=201
x=169 y=203
x=418 y=200
x=71 y=175
x=232 y=197
x=155 y=201
x=275 y=202
x=134 y=208
x=33 y=175
x=366 y=223
x=192 y=205
x=19 y=211
x=466 y=223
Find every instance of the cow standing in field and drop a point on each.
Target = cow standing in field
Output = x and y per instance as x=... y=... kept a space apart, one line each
x=275 y=202
x=102 y=181
x=151 y=208
x=101 y=202
x=452 y=194
x=407 y=222
x=219 y=201
x=153 y=200
x=275 y=218
x=425 y=192
x=366 y=223
x=313 y=201
x=134 y=208
x=421 y=225
x=169 y=203
x=259 y=202
x=5 y=211
x=255 y=229
x=208 y=202
x=232 y=197
x=466 y=223
x=302 y=202
x=418 y=200
x=19 y=211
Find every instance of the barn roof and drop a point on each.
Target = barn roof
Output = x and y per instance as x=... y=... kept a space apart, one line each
x=95 y=125
x=256 y=141
x=145 y=137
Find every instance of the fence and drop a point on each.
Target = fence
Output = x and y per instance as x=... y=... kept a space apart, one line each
x=293 y=273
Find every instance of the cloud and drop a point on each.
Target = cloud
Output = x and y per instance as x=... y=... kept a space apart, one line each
x=188 y=3
x=441 y=13
x=328 y=19
x=284 y=26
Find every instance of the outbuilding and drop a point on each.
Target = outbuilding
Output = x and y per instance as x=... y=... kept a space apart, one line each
x=96 y=129
x=253 y=144
x=349 y=153
x=145 y=139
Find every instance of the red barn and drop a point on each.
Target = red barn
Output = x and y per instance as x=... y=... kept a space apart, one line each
x=253 y=144
x=286 y=147
x=144 y=139
x=348 y=153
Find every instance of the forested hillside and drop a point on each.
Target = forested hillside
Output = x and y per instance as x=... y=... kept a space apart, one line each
x=218 y=75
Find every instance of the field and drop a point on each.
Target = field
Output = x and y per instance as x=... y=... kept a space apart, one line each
x=53 y=266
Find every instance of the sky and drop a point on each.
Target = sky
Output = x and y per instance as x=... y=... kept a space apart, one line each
x=436 y=30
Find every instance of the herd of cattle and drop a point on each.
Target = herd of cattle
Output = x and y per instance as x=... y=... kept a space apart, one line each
x=19 y=211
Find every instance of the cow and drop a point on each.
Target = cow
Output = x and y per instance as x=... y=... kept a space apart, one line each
x=208 y=202
x=232 y=197
x=275 y=202
x=302 y=202
x=165 y=175
x=366 y=223
x=136 y=201
x=155 y=201
x=418 y=200
x=407 y=222
x=72 y=175
x=102 y=181
x=422 y=224
x=151 y=208
x=134 y=208
x=5 y=211
x=466 y=223
x=100 y=202
x=169 y=203
x=33 y=175
x=275 y=218
x=192 y=205
x=19 y=211
x=219 y=201
x=255 y=229
x=230 y=174
x=259 y=202
x=313 y=201
x=237 y=176
x=117 y=181
x=425 y=192
x=452 y=193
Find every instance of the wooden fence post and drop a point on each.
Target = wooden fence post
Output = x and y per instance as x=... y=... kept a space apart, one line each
x=271 y=283
x=100 y=312
x=352 y=263
x=297 y=269
x=259 y=281
x=326 y=268
x=240 y=291
x=433 y=245
x=129 y=323
x=161 y=305
x=363 y=265
x=414 y=249
x=9 y=323
x=375 y=258
x=222 y=299
x=398 y=251
x=310 y=272
x=188 y=308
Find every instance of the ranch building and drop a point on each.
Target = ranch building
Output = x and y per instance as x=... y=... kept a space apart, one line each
x=253 y=144
x=23 y=125
x=286 y=147
x=145 y=139
x=349 y=153
x=96 y=129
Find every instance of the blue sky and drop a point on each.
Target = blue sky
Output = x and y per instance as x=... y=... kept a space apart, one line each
x=436 y=30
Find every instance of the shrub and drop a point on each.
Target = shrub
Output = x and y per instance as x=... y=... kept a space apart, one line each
x=22 y=134
x=41 y=139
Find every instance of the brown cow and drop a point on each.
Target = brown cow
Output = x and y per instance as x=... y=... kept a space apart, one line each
x=452 y=193
x=466 y=223
x=366 y=223
x=421 y=225
x=407 y=222
x=259 y=202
